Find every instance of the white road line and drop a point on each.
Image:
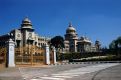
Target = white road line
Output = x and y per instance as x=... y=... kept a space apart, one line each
x=63 y=76
x=45 y=75
x=36 y=79
x=52 y=78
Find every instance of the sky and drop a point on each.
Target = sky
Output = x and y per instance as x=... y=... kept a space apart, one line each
x=96 y=19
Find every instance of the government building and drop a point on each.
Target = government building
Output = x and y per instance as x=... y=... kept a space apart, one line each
x=73 y=43
x=24 y=36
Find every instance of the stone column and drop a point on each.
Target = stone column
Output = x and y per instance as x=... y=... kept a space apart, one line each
x=54 y=55
x=47 y=55
x=11 y=54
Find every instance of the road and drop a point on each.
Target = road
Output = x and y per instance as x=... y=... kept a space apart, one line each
x=72 y=72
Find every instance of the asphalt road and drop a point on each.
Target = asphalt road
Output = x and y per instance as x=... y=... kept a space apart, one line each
x=95 y=71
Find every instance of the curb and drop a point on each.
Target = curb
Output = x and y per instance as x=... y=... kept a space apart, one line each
x=97 y=62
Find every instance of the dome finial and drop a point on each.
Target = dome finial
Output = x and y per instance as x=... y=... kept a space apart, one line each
x=26 y=19
x=70 y=24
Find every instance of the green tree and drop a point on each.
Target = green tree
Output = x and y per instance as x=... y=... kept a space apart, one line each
x=57 y=42
x=112 y=45
x=115 y=46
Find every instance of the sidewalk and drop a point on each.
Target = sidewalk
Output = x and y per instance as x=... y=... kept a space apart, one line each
x=10 y=74
x=14 y=73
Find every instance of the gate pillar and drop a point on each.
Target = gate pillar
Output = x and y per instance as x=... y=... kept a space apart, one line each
x=47 y=55
x=54 y=55
x=10 y=54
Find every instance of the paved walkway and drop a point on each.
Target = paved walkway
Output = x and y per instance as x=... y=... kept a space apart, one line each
x=10 y=74
x=14 y=73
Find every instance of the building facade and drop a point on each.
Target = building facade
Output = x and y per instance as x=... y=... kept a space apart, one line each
x=24 y=36
x=73 y=43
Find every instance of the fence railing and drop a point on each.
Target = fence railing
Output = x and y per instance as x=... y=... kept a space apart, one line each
x=29 y=55
x=3 y=52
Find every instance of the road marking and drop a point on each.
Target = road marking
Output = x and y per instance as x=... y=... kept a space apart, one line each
x=52 y=78
x=63 y=76
x=45 y=75
x=35 y=79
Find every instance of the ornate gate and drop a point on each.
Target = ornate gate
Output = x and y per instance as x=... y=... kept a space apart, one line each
x=3 y=52
x=29 y=55
x=51 y=57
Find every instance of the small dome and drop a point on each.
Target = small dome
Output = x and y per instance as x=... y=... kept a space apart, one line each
x=84 y=39
x=26 y=23
x=70 y=28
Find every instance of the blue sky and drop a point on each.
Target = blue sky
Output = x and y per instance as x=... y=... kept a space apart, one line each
x=97 y=19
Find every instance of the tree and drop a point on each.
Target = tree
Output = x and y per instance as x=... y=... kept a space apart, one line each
x=115 y=45
x=119 y=42
x=57 y=42
x=112 y=45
